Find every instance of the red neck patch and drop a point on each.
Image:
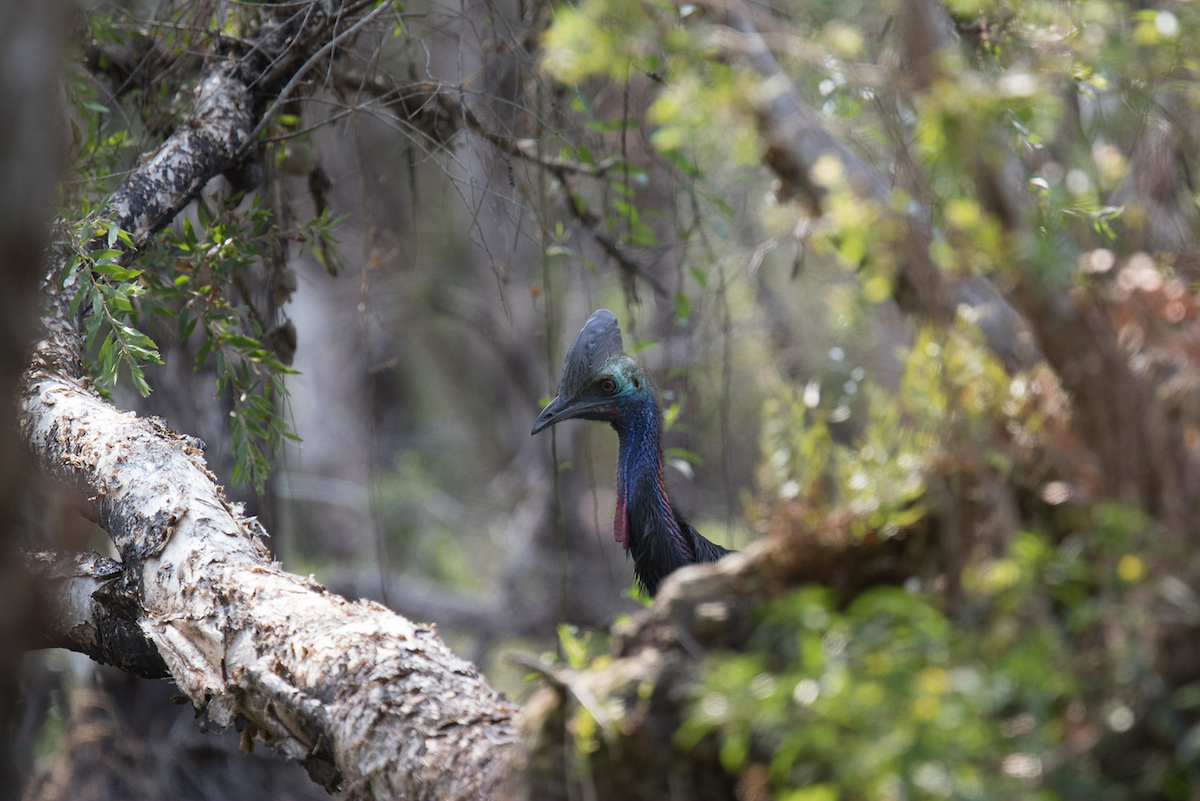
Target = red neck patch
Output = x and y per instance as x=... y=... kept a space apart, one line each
x=621 y=522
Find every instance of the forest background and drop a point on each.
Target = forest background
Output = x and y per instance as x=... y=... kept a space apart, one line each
x=917 y=284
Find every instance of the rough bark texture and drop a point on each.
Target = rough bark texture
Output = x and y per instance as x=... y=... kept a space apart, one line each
x=358 y=693
x=95 y=612
x=639 y=700
x=180 y=168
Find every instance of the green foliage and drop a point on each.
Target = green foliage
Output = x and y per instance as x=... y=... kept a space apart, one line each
x=197 y=274
x=877 y=700
x=609 y=37
x=108 y=294
x=193 y=289
x=951 y=393
x=582 y=648
x=200 y=288
x=592 y=721
x=982 y=691
x=696 y=119
x=893 y=695
x=702 y=112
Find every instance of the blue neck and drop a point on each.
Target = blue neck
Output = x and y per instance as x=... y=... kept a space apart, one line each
x=640 y=477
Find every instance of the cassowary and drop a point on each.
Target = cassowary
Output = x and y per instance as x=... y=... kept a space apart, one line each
x=600 y=382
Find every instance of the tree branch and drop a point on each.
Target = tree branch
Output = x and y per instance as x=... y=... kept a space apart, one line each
x=438 y=111
x=95 y=613
x=373 y=705
x=796 y=139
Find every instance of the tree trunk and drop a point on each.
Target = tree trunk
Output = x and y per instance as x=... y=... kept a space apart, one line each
x=29 y=162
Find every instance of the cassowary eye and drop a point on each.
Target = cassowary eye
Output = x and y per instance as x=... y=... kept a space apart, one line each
x=608 y=386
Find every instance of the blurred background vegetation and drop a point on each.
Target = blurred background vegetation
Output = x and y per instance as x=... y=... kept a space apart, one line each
x=961 y=411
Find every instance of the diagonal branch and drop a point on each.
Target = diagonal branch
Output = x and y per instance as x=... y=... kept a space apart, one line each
x=438 y=112
x=796 y=139
x=402 y=716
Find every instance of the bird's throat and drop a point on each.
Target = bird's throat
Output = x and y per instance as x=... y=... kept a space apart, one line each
x=642 y=505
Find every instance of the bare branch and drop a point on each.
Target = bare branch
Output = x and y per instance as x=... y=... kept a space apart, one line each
x=285 y=94
x=438 y=111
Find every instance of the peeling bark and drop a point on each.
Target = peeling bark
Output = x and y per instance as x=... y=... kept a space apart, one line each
x=640 y=699
x=95 y=613
x=372 y=703
x=209 y=144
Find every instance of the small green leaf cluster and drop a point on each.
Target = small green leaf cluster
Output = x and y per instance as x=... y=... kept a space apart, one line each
x=701 y=112
x=106 y=292
x=203 y=286
x=951 y=395
x=592 y=720
x=686 y=115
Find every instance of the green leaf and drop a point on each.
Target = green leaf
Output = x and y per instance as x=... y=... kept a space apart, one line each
x=241 y=341
x=813 y=792
x=139 y=382
x=203 y=215
x=574 y=648
x=685 y=455
x=683 y=306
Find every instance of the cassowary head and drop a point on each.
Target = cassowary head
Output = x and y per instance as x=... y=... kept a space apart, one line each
x=599 y=382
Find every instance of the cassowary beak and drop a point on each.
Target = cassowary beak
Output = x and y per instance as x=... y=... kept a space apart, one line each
x=555 y=410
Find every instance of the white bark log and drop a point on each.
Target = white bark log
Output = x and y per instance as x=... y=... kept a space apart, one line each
x=94 y=612
x=368 y=700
